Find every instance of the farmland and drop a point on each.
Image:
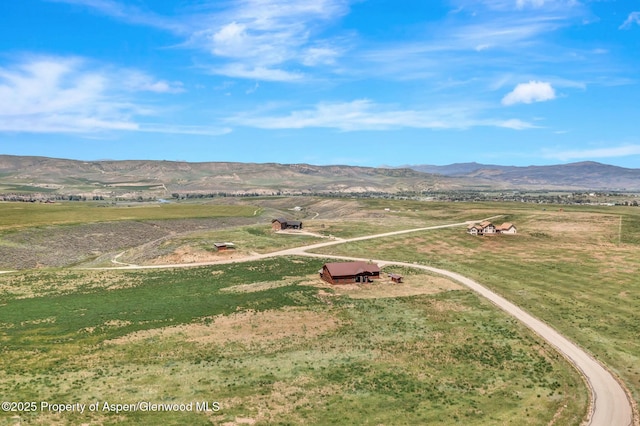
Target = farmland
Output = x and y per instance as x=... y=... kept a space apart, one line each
x=272 y=343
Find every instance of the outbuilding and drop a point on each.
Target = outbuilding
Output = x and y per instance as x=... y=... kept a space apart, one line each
x=224 y=246
x=396 y=278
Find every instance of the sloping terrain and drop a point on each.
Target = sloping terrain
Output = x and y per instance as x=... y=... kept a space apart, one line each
x=165 y=179
x=583 y=175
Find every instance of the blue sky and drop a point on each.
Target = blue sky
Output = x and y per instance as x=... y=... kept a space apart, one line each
x=362 y=82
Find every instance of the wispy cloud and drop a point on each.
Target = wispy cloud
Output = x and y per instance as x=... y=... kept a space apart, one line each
x=505 y=5
x=363 y=114
x=239 y=70
x=582 y=154
x=253 y=39
x=129 y=13
x=633 y=18
x=479 y=40
x=526 y=93
x=71 y=95
x=265 y=39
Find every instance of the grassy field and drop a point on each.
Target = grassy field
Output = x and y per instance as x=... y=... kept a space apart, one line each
x=199 y=246
x=574 y=267
x=272 y=344
x=21 y=215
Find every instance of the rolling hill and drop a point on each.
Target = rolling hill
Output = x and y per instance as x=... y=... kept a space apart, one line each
x=587 y=175
x=21 y=174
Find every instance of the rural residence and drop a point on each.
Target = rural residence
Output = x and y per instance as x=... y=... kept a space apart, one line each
x=282 y=224
x=349 y=272
x=488 y=228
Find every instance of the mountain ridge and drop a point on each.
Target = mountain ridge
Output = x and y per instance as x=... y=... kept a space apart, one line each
x=162 y=177
x=590 y=175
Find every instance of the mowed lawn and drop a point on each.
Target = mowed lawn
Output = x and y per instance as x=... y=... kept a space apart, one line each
x=577 y=268
x=272 y=344
x=26 y=215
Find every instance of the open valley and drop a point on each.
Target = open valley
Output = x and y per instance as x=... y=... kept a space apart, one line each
x=268 y=341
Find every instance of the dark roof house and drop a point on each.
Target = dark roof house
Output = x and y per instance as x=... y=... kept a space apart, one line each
x=281 y=223
x=349 y=272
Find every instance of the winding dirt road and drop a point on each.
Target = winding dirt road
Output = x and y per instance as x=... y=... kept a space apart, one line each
x=610 y=405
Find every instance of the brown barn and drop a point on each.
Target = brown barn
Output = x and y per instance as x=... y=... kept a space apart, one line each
x=280 y=224
x=349 y=272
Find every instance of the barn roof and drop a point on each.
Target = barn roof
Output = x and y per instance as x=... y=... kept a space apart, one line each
x=342 y=269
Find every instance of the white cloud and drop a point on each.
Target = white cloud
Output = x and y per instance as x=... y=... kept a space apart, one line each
x=533 y=91
x=363 y=114
x=238 y=70
x=128 y=13
x=508 y=5
x=139 y=81
x=261 y=39
x=521 y=4
x=253 y=39
x=314 y=56
x=70 y=95
x=581 y=154
x=515 y=124
x=633 y=18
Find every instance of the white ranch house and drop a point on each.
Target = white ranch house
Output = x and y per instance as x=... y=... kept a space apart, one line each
x=488 y=228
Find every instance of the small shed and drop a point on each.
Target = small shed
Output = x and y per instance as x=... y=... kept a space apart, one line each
x=224 y=246
x=396 y=278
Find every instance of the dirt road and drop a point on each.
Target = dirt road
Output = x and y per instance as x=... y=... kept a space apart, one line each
x=609 y=406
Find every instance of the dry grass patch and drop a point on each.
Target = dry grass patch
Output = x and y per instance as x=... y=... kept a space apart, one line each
x=247 y=327
x=284 y=399
x=412 y=286
x=50 y=283
x=573 y=224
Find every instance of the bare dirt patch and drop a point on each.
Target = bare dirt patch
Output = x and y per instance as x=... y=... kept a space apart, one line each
x=244 y=327
x=412 y=286
x=188 y=254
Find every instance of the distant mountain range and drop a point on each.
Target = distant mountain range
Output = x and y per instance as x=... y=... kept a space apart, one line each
x=585 y=175
x=20 y=174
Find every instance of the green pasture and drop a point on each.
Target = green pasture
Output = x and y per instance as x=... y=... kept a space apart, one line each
x=574 y=267
x=247 y=240
x=254 y=238
x=290 y=353
x=448 y=358
x=24 y=215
